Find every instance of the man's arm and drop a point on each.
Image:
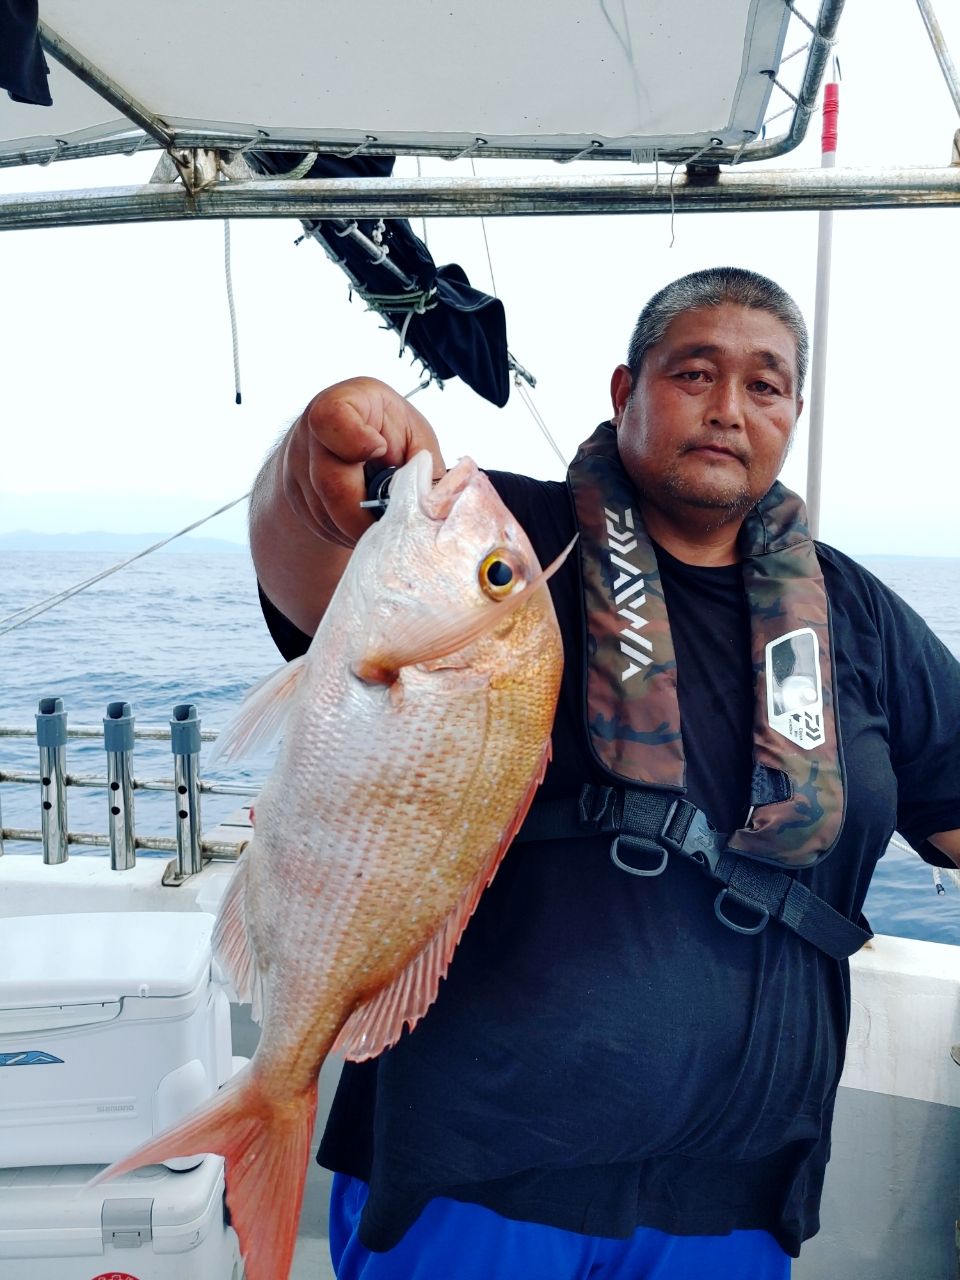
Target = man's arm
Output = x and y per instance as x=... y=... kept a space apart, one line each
x=948 y=842
x=305 y=513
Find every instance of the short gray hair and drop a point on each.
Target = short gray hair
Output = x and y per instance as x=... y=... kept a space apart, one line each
x=712 y=288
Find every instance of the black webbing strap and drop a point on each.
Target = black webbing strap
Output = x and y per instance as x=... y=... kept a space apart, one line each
x=760 y=888
x=648 y=825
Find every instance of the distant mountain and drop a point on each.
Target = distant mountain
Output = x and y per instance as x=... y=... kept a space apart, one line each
x=112 y=543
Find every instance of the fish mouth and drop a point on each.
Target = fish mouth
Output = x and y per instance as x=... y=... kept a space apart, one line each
x=438 y=500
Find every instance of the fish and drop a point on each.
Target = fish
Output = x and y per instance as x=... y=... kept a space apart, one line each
x=416 y=730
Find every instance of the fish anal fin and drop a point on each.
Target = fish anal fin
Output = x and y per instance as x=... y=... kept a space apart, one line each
x=260 y=716
x=378 y=1023
x=231 y=941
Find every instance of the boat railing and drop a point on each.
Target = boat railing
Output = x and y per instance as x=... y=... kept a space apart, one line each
x=119 y=735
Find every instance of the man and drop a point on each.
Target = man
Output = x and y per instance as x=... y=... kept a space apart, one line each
x=631 y=1067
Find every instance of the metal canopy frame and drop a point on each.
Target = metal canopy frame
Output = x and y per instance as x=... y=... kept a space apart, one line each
x=204 y=158
x=490 y=197
x=149 y=130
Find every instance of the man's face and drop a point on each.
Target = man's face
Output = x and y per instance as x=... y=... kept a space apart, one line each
x=709 y=421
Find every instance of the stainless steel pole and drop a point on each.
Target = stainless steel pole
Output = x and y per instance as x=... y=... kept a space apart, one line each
x=118 y=740
x=940 y=49
x=52 y=741
x=821 y=316
x=185 y=745
x=765 y=190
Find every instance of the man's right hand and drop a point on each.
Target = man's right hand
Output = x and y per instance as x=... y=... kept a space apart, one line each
x=305 y=513
x=343 y=428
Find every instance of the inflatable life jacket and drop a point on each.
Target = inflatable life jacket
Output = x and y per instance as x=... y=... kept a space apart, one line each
x=633 y=716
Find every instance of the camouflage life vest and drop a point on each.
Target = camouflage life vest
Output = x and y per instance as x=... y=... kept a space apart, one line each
x=796 y=805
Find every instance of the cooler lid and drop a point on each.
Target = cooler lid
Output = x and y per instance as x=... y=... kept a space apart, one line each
x=101 y=956
x=55 y=1204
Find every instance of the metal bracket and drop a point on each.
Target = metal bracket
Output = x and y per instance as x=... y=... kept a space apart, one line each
x=172 y=165
x=198 y=167
x=166 y=171
x=173 y=877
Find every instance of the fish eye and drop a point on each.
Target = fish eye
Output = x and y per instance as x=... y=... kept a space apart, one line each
x=498 y=574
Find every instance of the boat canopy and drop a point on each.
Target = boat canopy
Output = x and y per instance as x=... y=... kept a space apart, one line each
x=622 y=79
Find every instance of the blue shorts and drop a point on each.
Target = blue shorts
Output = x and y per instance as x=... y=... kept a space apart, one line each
x=455 y=1241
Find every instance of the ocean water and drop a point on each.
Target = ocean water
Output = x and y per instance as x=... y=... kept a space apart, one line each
x=187 y=628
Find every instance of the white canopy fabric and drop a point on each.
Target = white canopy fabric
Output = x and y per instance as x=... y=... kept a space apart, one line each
x=637 y=76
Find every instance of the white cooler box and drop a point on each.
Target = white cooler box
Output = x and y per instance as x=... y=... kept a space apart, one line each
x=152 y=1224
x=110 y=1030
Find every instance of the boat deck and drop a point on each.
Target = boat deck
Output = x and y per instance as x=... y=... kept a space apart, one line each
x=890 y=1200
x=312 y=1260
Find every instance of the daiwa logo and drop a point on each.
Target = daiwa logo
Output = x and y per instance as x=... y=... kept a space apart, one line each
x=795 y=688
x=28 y=1058
x=628 y=593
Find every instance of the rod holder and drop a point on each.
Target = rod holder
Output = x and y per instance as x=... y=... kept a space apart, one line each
x=52 y=741
x=185 y=745
x=118 y=739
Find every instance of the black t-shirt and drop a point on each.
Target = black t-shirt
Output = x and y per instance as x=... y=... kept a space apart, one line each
x=604 y=1053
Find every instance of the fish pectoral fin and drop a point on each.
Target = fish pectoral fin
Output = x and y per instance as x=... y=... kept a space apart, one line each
x=427 y=636
x=261 y=714
x=231 y=941
x=378 y=1023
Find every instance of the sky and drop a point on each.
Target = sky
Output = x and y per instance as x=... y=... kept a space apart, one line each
x=116 y=384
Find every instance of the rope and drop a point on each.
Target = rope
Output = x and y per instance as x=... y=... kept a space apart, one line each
x=476 y=145
x=528 y=401
x=800 y=49
x=418 y=300
x=747 y=135
x=423 y=221
x=770 y=119
x=403 y=333
x=817 y=35
x=32 y=611
x=368 y=141
x=486 y=242
x=782 y=87
x=302 y=169
x=587 y=151
x=260 y=136
x=228 y=273
x=421 y=386
x=937 y=872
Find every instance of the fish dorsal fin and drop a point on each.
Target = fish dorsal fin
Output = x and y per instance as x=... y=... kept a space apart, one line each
x=378 y=1023
x=261 y=714
x=231 y=941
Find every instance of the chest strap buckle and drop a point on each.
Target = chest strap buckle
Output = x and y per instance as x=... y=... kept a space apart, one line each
x=654 y=825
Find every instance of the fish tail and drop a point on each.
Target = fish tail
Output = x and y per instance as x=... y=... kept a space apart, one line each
x=265 y=1145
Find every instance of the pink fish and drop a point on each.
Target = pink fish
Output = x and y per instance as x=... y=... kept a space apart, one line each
x=417 y=729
